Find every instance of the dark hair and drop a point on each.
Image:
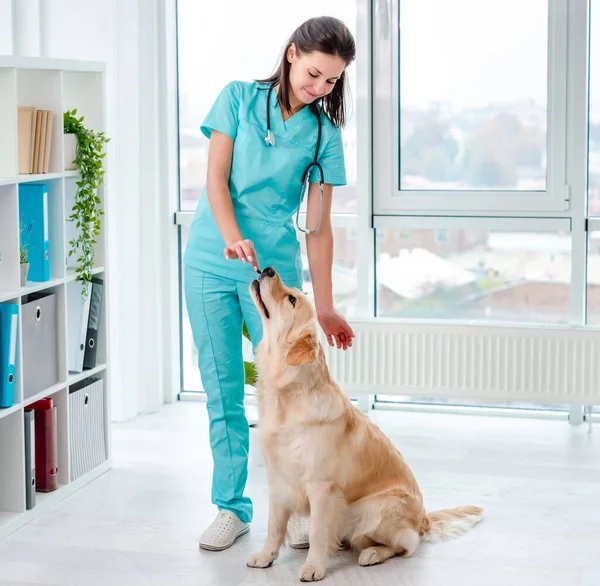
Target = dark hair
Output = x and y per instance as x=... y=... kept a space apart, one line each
x=327 y=35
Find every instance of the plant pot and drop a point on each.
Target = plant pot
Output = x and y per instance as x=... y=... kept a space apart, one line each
x=24 y=272
x=70 y=151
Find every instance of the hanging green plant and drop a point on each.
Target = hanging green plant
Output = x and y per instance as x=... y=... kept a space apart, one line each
x=86 y=211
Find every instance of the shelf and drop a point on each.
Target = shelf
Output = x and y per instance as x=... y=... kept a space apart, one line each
x=37 y=287
x=12 y=463
x=50 y=391
x=7 y=519
x=8 y=296
x=16 y=62
x=46 y=336
x=46 y=176
x=71 y=275
x=10 y=522
x=8 y=410
x=41 y=497
x=39 y=177
x=75 y=377
x=32 y=287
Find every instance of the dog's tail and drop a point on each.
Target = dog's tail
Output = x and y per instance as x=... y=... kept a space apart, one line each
x=450 y=523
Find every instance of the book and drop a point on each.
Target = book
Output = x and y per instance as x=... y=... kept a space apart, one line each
x=36 y=143
x=26 y=121
x=35 y=139
x=47 y=149
x=42 y=143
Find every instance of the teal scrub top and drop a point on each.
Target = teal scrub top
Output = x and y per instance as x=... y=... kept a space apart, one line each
x=265 y=181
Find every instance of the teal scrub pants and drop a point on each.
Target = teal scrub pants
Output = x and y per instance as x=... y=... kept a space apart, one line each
x=216 y=307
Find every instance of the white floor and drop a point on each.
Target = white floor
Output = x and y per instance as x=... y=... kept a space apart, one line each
x=539 y=482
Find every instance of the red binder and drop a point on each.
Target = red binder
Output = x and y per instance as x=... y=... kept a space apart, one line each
x=46 y=445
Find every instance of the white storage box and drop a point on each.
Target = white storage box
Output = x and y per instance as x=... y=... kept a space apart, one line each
x=40 y=348
x=86 y=426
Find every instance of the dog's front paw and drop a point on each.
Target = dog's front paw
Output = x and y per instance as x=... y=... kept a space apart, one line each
x=369 y=557
x=260 y=560
x=311 y=573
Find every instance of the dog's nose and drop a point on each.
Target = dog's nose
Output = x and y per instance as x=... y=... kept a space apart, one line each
x=268 y=272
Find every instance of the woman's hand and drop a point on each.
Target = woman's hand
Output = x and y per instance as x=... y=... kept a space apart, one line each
x=335 y=327
x=242 y=249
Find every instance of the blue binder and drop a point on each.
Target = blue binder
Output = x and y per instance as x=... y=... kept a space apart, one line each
x=33 y=214
x=9 y=316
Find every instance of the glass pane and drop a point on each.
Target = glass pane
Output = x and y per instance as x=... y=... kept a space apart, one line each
x=473 y=94
x=344 y=270
x=593 y=283
x=249 y=47
x=474 y=274
x=594 y=115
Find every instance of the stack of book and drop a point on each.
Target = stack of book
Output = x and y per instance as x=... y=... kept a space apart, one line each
x=35 y=139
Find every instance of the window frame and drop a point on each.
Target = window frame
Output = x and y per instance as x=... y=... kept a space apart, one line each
x=593 y=224
x=390 y=199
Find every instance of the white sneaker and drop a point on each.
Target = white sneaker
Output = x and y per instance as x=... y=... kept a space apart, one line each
x=298 y=529
x=223 y=531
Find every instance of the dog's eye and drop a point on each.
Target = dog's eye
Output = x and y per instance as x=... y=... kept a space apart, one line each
x=292 y=300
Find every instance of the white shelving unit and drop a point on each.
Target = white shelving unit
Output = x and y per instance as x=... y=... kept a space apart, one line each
x=59 y=85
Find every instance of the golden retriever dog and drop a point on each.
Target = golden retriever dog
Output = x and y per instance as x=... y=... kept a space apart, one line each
x=324 y=457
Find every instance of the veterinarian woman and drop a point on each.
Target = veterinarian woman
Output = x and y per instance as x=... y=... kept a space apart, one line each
x=263 y=136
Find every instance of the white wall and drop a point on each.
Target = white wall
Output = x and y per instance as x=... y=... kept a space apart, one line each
x=5 y=27
x=136 y=40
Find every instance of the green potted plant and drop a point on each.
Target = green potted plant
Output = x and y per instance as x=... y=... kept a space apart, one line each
x=24 y=254
x=86 y=212
x=249 y=367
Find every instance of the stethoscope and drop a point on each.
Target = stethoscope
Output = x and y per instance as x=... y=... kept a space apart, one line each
x=270 y=140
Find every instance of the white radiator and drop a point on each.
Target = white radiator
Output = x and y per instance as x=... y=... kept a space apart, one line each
x=466 y=360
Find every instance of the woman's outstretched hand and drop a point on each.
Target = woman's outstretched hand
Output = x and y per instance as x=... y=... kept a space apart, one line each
x=242 y=249
x=335 y=327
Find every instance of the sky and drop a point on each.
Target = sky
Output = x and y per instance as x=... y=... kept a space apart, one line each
x=220 y=41
x=496 y=49
x=469 y=53
x=473 y=52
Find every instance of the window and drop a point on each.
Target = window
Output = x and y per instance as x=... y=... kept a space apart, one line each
x=344 y=276
x=249 y=47
x=473 y=119
x=593 y=274
x=487 y=274
x=593 y=256
x=470 y=118
x=473 y=214
x=594 y=114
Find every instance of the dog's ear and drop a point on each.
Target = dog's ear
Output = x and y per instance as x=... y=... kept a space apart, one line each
x=303 y=350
